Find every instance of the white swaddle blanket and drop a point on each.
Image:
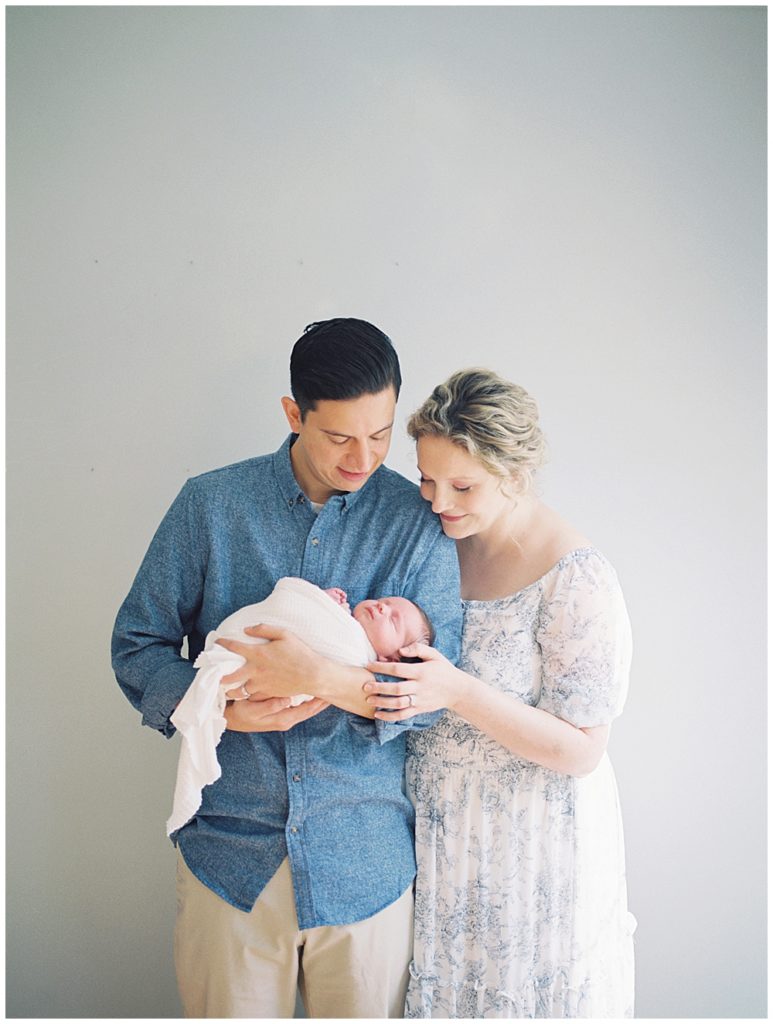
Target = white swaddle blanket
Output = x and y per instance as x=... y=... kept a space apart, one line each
x=294 y=604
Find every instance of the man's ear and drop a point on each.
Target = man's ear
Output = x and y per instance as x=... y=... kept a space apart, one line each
x=293 y=413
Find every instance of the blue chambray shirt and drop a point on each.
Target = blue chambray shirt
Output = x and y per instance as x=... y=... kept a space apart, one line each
x=329 y=792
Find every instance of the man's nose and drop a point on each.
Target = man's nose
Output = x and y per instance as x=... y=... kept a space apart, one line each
x=359 y=457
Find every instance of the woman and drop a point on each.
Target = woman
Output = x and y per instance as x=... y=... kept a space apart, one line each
x=520 y=894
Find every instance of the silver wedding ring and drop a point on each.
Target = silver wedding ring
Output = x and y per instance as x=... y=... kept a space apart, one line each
x=245 y=691
x=410 y=700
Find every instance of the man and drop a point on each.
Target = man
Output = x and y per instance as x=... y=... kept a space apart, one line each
x=298 y=867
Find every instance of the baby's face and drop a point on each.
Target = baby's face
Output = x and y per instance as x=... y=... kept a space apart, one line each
x=390 y=623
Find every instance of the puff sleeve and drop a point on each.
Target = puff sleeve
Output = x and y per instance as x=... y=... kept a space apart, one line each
x=584 y=635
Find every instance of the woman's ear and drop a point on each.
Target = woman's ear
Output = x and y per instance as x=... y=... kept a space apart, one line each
x=512 y=487
x=293 y=413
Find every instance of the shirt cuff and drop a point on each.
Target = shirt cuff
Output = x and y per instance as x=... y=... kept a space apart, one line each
x=162 y=695
x=386 y=731
x=383 y=732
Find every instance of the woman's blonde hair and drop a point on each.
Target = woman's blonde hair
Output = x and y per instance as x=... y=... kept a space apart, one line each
x=493 y=419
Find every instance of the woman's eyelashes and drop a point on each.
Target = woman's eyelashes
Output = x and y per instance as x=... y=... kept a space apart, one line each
x=459 y=490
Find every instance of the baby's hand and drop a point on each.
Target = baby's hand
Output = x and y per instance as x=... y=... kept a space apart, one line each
x=339 y=596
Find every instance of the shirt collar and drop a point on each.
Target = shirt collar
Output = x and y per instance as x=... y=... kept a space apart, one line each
x=290 y=488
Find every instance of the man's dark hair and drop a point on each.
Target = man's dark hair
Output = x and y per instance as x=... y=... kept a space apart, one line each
x=339 y=359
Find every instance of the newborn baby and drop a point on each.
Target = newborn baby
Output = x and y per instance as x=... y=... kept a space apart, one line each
x=374 y=631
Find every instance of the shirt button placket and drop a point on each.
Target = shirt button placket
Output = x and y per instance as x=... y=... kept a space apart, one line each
x=295 y=759
x=311 y=559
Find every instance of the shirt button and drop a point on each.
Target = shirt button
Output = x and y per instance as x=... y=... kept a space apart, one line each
x=315 y=541
x=291 y=502
x=294 y=829
x=296 y=777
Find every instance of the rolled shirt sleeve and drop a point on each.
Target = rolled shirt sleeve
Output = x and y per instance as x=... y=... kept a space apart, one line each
x=156 y=617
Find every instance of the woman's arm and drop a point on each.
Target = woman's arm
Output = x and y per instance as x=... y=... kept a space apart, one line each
x=528 y=732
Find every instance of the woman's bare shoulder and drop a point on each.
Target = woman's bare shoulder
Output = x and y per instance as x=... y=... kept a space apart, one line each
x=557 y=538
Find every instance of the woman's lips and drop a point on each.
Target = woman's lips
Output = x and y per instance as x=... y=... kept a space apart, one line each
x=450 y=519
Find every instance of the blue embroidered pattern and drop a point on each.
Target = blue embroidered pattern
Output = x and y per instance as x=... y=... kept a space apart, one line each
x=521 y=906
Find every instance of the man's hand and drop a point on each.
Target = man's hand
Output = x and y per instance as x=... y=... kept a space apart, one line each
x=272 y=714
x=287 y=666
x=282 y=668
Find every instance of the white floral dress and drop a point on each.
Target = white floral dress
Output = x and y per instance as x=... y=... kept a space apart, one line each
x=521 y=907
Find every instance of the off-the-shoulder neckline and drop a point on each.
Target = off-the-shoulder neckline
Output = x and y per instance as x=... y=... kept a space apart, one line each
x=568 y=557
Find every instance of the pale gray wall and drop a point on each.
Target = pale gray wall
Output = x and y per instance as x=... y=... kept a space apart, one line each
x=572 y=196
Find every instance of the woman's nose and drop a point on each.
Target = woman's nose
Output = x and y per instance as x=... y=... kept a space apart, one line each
x=440 y=501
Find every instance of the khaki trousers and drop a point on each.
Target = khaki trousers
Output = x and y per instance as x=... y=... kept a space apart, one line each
x=233 y=964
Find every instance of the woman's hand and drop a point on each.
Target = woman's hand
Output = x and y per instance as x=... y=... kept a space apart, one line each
x=270 y=715
x=429 y=686
x=528 y=732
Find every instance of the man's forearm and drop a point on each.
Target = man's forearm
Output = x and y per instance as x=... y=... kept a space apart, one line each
x=341 y=685
x=287 y=666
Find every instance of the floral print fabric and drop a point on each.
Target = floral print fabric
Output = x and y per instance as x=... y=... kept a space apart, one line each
x=521 y=907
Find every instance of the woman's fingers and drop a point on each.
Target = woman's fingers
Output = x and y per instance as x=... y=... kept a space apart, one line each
x=406 y=701
x=392 y=699
x=393 y=668
x=419 y=650
x=391 y=689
